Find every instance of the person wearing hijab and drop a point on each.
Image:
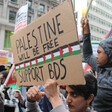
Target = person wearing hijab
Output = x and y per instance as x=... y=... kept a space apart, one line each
x=102 y=64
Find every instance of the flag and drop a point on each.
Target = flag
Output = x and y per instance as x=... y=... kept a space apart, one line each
x=9 y=79
x=21 y=22
x=87 y=67
x=109 y=34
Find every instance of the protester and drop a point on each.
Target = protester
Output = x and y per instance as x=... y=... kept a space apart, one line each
x=1 y=95
x=102 y=63
x=44 y=104
x=22 y=101
x=2 y=68
x=1 y=102
x=10 y=102
x=78 y=96
x=93 y=72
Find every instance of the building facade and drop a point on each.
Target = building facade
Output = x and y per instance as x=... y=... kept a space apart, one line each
x=99 y=15
x=8 y=10
x=100 y=18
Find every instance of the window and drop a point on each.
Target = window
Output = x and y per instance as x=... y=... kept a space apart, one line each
x=13 y=0
x=97 y=29
x=29 y=2
x=12 y=16
x=47 y=8
x=7 y=42
x=42 y=8
x=1 y=0
x=29 y=20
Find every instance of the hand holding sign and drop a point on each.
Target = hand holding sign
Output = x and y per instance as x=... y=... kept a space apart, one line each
x=49 y=48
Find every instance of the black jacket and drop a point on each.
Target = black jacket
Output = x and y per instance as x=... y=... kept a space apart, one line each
x=103 y=101
x=1 y=103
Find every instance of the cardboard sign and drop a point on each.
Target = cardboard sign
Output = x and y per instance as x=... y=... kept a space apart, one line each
x=49 y=48
x=4 y=57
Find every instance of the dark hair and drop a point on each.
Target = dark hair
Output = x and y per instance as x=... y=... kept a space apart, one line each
x=2 y=68
x=88 y=89
x=4 y=73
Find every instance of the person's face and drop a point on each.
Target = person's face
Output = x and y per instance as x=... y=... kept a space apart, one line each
x=1 y=76
x=101 y=56
x=2 y=79
x=75 y=102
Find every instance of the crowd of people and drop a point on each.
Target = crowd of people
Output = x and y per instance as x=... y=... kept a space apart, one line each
x=94 y=96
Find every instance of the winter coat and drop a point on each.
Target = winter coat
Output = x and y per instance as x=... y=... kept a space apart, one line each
x=103 y=100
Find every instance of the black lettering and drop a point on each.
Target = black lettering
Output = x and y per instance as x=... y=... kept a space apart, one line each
x=45 y=32
x=64 y=69
x=55 y=42
x=37 y=74
x=41 y=67
x=20 y=74
x=32 y=71
x=35 y=38
x=58 y=24
x=57 y=75
x=51 y=72
x=51 y=44
x=20 y=58
x=52 y=29
x=48 y=45
x=44 y=47
x=17 y=45
x=26 y=56
x=25 y=76
x=21 y=45
x=23 y=56
x=25 y=48
x=35 y=51
x=28 y=41
x=40 y=34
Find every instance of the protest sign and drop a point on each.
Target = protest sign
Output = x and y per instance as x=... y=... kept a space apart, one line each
x=4 y=57
x=49 y=48
x=21 y=18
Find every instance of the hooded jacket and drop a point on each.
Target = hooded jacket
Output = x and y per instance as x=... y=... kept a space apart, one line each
x=103 y=100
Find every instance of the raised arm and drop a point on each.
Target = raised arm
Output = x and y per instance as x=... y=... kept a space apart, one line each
x=87 y=48
x=52 y=92
x=33 y=98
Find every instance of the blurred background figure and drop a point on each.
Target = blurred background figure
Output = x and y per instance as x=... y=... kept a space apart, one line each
x=93 y=72
x=10 y=102
x=1 y=102
x=2 y=68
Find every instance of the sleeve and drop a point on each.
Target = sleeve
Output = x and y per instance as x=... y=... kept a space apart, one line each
x=32 y=107
x=24 y=104
x=63 y=100
x=88 y=53
x=60 y=108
